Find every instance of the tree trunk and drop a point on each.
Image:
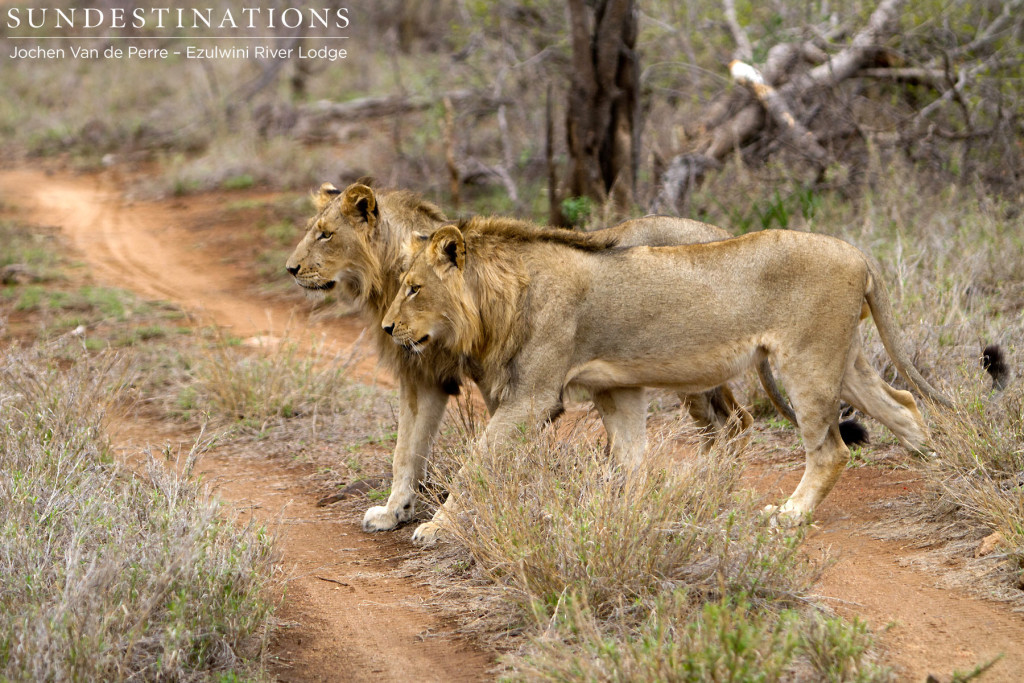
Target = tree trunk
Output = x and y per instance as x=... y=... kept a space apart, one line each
x=602 y=124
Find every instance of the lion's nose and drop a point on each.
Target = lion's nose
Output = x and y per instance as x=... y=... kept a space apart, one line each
x=389 y=328
x=294 y=270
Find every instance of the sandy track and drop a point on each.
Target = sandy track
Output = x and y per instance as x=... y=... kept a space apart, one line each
x=350 y=613
x=146 y=248
x=359 y=620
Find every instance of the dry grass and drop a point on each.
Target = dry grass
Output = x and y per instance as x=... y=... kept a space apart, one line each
x=264 y=382
x=555 y=517
x=979 y=476
x=666 y=572
x=108 y=575
x=295 y=399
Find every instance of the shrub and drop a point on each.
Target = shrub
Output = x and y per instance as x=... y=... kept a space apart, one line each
x=107 y=574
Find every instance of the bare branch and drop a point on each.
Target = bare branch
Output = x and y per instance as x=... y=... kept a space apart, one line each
x=778 y=109
x=749 y=119
x=744 y=52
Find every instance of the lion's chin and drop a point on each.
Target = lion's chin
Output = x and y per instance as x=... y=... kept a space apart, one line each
x=414 y=346
x=320 y=287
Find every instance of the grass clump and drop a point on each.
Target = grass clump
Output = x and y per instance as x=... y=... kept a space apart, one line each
x=256 y=387
x=979 y=473
x=557 y=517
x=664 y=572
x=682 y=640
x=105 y=574
x=30 y=249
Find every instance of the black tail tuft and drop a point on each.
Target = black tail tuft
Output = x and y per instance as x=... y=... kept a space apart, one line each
x=994 y=362
x=853 y=433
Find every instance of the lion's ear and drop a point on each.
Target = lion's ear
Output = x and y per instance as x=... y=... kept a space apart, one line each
x=324 y=195
x=447 y=249
x=367 y=180
x=359 y=204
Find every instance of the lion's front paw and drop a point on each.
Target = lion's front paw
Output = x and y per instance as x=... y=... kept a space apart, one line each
x=379 y=518
x=925 y=451
x=427 y=534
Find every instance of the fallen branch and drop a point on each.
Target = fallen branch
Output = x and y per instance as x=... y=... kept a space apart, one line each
x=776 y=106
x=731 y=126
x=313 y=122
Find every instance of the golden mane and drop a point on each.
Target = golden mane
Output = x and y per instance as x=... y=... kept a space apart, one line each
x=497 y=280
x=375 y=281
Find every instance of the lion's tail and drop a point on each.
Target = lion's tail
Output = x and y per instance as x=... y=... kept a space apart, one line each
x=877 y=297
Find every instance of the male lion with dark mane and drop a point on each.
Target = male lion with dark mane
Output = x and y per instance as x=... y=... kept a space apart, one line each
x=356 y=241
x=537 y=311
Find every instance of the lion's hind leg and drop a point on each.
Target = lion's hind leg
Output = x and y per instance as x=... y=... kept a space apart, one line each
x=825 y=463
x=869 y=393
x=813 y=383
x=718 y=415
x=624 y=414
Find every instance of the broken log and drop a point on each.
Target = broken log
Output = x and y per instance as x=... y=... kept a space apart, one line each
x=732 y=125
x=317 y=121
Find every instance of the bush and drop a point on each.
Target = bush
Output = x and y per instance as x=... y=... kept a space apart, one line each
x=666 y=572
x=106 y=574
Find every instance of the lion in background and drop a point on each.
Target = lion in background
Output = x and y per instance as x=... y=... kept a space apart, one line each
x=357 y=241
x=537 y=311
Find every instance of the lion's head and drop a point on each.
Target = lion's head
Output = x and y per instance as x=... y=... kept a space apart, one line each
x=433 y=306
x=357 y=238
x=337 y=240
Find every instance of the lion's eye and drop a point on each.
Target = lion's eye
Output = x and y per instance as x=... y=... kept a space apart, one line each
x=413 y=289
x=325 y=236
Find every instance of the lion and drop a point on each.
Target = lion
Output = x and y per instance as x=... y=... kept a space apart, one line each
x=539 y=311
x=357 y=242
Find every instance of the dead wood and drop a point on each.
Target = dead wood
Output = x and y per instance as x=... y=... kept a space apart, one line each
x=774 y=91
x=318 y=121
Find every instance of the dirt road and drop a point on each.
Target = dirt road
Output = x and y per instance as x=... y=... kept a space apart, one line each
x=356 y=617
x=351 y=614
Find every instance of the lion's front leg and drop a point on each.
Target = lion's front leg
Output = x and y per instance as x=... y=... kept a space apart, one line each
x=502 y=427
x=428 y=533
x=420 y=411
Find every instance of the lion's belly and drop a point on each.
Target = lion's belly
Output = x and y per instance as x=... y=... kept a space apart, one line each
x=686 y=372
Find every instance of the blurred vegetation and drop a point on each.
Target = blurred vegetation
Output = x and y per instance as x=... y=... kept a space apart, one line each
x=205 y=121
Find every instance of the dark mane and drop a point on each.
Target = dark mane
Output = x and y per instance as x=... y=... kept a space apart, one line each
x=523 y=232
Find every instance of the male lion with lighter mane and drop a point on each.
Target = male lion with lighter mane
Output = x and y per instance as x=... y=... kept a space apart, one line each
x=539 y=310
x=357 y=241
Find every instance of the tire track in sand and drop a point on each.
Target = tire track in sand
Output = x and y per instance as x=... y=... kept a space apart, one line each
x=352 y=615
